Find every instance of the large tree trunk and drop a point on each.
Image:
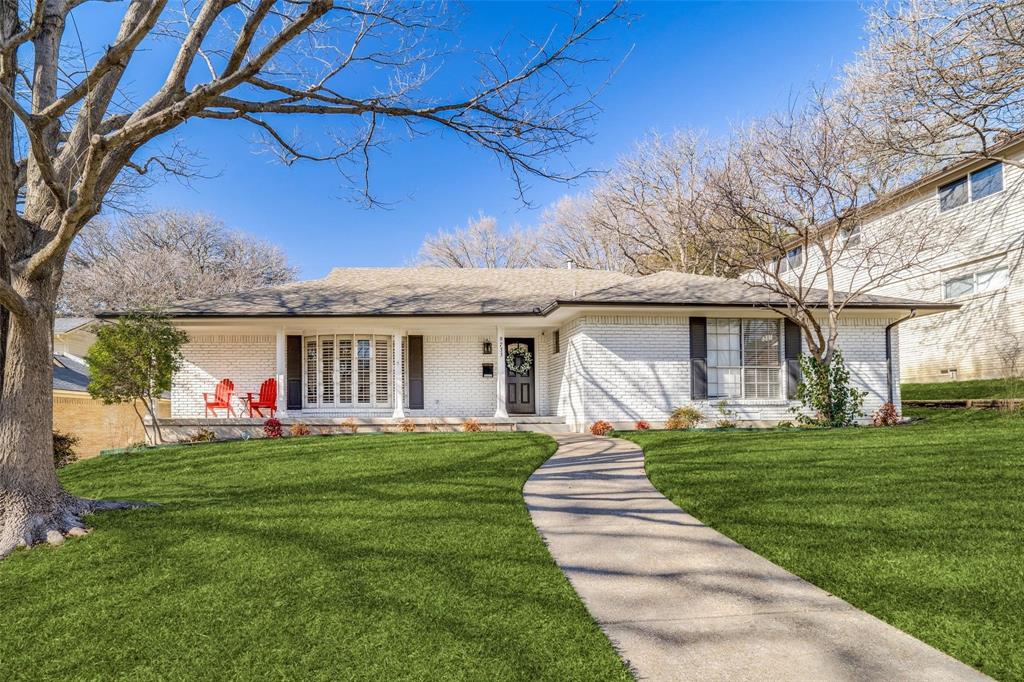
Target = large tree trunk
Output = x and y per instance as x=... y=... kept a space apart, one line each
x=33 y=505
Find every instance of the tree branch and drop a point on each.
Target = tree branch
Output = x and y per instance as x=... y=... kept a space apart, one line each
x=13 y=301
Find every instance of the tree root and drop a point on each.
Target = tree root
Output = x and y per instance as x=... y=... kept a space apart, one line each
x=25 y=526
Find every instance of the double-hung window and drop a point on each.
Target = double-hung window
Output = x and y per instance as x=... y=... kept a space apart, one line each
x=744 y=358
x=347 y=370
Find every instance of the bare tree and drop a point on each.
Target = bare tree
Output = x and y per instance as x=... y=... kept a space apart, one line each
x=939 y=80
x=644 y=216
x=571 y=232
x=147 y=261
x=480 y=244
x=799 y=207
x=70 y=133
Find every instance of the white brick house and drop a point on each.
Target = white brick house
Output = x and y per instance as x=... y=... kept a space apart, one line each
x=384 y=344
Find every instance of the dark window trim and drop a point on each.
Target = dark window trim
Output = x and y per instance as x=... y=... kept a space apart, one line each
x=968 y=181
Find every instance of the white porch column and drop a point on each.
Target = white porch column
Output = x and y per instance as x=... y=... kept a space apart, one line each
x=399 y=376
x=499 y=372
x=282 y=383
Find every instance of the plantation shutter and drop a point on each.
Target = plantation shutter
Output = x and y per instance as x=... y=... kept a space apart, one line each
x=793 y=350
x=294 y=372
x=698 y=358
x=415 y=372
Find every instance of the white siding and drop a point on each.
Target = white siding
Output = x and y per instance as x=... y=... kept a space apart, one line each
x=973 y=237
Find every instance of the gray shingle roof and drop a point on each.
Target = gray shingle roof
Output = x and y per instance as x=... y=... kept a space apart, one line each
x=677 y=288
x=358 y=292
x=69 y=374
x=63 y=325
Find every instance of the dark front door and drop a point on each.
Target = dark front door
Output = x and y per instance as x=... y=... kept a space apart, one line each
x=519 y=388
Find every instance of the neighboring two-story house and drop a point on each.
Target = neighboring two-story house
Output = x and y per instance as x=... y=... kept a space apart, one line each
x=973 y=213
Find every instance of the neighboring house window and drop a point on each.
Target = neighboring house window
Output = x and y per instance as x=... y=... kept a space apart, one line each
x=849 y=236
x=953 y=194
x=986 y=181
x=794 y=258
x=978 y=185
x=743 y=358
x=557 y=340
x=976 y=283
x=341 y=368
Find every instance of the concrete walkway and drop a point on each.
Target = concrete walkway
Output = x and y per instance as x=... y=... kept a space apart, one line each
x=681 y=601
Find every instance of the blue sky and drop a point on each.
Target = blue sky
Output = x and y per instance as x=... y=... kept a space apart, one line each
x=690 y=65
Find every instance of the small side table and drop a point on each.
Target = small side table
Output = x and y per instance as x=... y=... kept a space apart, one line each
x=244 y=399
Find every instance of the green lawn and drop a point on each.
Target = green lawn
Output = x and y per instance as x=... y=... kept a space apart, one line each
x=980 y=389
x=377 y=557
x=921 y=525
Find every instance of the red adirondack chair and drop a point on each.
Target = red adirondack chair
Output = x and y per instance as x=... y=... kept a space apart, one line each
x=267 y=399
x=221 y=398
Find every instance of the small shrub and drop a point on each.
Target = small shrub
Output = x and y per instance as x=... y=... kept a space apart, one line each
x=726 y=417
x=886 y=415
x=64 y=449
x=642 y=425
x=471 y=425
x=407 y=426
x=272 y=428
x=784 y=425
x=601 y=428
x=351 y=424
x=684 y=418
x=299 y=429
x=200 y=436
x=827 y=391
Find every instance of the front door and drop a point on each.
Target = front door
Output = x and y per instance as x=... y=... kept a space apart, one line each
x=519 y=393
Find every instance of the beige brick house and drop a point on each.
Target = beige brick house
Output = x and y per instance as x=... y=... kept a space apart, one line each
x=98 y=427
x=538 y=348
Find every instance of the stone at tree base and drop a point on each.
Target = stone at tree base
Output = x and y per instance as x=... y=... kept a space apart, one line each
x=78 y=532
x=55 y=537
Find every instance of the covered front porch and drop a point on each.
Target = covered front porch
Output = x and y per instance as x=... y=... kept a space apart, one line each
x=328 y=371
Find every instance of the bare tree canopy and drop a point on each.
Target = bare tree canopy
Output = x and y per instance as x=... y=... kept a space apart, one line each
x=643 y=216
x=940 y=79
x=147 y=261
x=571 y=232
x=795 y=201
x=480 y=244
x=72 y=131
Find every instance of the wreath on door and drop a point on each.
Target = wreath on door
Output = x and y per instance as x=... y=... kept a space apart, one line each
x=519 y=360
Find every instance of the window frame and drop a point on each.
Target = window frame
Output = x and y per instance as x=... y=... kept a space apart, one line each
x=792 y=259
x=556 y=342
x=968 y=180
x=713 y=324
x=974 y=276
x=317 y=341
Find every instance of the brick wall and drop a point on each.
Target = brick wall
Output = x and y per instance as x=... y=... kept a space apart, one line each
x=454 y=384
x=248 y=360
x=98 y=426
x=625 y=368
